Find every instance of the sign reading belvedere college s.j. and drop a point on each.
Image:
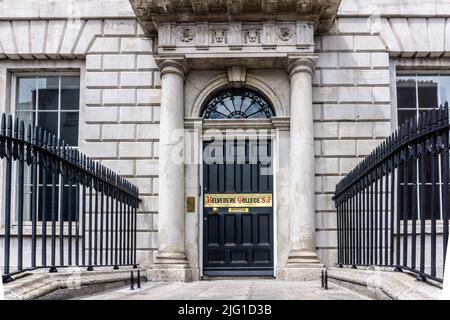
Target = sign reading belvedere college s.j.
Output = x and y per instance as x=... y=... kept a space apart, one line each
x=238 y=200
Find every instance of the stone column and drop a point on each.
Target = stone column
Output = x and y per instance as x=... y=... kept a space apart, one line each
x=171 y=263
x=302 y=253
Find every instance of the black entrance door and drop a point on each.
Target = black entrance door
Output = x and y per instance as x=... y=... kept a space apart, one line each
x=238 y=208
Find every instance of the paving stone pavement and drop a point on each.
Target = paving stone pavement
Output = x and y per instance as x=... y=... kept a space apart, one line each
x=257 y=289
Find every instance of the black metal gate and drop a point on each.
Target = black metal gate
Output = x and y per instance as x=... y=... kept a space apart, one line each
x=238 y=208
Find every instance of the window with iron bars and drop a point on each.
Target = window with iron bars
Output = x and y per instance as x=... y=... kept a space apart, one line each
x=418 y=93
x=50 y=101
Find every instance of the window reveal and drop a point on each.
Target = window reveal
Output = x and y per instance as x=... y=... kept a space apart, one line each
x=416 y=94
x=51 y=102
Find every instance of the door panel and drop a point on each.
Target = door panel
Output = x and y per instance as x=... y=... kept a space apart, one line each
x=239 y=242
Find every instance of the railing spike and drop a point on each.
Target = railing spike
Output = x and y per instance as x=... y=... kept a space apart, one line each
x=16 y=128
x=61 y=148
x=34 y=135
x=9 y=126
x=54 y=143
x=28 y=133
x=3 y=125
x=21 y=130
x=45 y=139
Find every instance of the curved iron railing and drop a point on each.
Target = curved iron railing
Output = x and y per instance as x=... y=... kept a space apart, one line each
x=393 y=208
x=91 y=211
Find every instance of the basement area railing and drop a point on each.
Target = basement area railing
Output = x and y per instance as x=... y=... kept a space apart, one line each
x=60 y=208
x=393 y=208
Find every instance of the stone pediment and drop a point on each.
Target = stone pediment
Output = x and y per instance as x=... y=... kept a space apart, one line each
x=152 y=13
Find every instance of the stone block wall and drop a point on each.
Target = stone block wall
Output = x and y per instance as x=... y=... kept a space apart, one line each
x=120 y=124
x=352 y=113
x=120 y=95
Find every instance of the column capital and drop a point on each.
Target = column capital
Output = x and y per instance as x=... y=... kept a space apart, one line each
x=176 y=65
x=301 y=64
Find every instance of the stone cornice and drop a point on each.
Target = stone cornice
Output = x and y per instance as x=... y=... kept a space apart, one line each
x=151 y=13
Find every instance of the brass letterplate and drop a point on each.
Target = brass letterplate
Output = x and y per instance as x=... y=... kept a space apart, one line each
x=238 y=210
x=238 y=200
x=190 y=204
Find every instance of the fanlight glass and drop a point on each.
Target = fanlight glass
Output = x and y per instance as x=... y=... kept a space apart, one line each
x=237 y=104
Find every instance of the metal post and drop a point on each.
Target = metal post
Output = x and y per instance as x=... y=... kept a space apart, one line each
x=322 y=279
x=139 y=279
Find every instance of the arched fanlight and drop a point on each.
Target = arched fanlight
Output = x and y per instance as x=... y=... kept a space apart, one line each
x=237 y=104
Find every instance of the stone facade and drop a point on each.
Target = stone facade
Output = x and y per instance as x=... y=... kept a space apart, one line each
x=353 y=85
x=352 y=112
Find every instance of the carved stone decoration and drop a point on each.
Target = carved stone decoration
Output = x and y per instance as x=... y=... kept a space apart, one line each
x=249 y=37
x=187 y=34
x=252 y=35
x=304 y=5
x=199 y=6
x=285 y=33
x=219 y=36
x=237 y=76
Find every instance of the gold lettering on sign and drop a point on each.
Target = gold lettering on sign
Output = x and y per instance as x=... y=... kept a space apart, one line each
x=238 y=200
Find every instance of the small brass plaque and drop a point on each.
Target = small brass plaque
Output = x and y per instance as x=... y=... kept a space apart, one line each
x=190 y=204
x=238 y=210
x=238 y=200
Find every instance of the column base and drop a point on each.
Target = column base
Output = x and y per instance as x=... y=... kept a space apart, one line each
x=164 y=257
x=169 y=273
x=170 y=267
x=304 y=273
x=302 y=257
x=301 y=266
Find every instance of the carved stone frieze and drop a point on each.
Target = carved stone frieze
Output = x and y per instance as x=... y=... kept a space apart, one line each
x=252 y=35
x=285 y=33
x=187 y=34
x=189 y=38
x=219 y=36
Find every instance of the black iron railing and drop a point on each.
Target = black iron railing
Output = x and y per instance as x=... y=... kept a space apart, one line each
x=393 y=208
x=59 y=207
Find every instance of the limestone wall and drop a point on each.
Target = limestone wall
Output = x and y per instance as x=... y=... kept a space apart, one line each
x=120 y=87
x=120 y=124
x=352 y=113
